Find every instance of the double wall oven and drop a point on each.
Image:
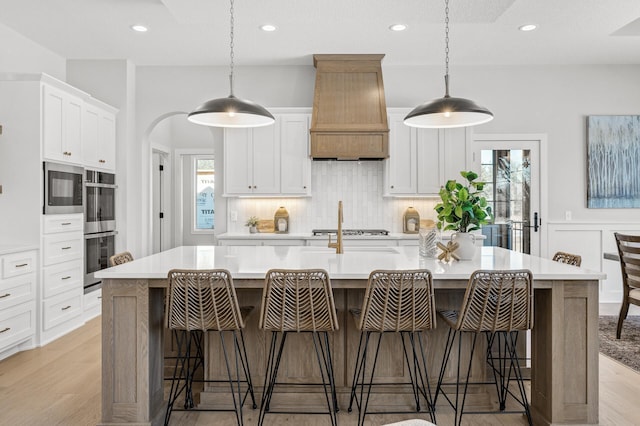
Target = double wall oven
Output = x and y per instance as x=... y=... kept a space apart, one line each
x=100 y=224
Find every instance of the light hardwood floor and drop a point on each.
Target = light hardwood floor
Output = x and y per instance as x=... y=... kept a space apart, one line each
x=59 y=384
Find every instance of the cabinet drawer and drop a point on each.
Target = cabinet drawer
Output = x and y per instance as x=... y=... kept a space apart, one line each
x=17 y=290
x=18 y=264
x=92 y=299
x=63 y=247
x=53 y=223
x=62 y=308
x=16 y=324
x=62 y=277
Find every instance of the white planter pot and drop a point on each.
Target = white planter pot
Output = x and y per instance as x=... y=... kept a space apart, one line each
x=466 y=245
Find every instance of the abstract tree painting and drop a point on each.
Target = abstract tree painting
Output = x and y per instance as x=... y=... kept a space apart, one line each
x=613 y=156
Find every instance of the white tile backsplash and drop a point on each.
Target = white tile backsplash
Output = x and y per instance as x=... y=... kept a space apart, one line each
x=359 y=184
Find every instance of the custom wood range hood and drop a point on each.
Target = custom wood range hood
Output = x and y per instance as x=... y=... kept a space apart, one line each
x=349 y=119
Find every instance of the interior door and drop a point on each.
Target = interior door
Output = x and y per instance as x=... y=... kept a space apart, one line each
x=511 y=166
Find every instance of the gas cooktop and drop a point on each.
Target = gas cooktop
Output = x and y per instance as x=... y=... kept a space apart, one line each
x=348 y=232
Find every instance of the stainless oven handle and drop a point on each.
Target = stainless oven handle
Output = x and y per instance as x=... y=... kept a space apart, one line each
x=100 y=235
x=99 y=185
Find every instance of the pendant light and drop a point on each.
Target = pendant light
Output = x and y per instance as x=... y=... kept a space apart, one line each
x=448 y=112
x=231 y=111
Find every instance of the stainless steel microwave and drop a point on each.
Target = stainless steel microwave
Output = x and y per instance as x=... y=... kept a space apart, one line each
x=63 y=192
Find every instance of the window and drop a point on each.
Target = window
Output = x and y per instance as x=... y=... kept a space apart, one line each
x=204 y=194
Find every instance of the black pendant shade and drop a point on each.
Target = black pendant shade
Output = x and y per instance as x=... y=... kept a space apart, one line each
x=448 y=112
x=231 y=112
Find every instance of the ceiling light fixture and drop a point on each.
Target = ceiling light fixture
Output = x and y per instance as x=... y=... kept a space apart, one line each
x=528 y=27
x=448 y=112
x=398 y=27
x=268 y=28
x=231 y=111
x=139 y=28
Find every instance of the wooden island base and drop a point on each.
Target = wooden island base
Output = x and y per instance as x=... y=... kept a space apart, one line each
x=564 y=366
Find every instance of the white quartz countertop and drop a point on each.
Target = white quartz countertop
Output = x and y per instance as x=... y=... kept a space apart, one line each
x=252 y=262
x=310 y=236
x=14 y=248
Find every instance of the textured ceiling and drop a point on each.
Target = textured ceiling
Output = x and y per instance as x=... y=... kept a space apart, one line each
x=196 y=32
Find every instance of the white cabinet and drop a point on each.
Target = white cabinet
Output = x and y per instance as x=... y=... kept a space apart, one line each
x=99 y=136
x=62 y=276
x=270 y=160
x=295 y=178
x=252 y=160
x=422 y=160
x=18 y=289
x=62 y=125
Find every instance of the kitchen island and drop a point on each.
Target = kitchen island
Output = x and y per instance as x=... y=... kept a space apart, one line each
x=564 y=350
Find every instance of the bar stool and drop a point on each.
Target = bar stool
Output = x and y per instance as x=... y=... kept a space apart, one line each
x=200 y=301
x=298 y=301
x=395 y=302
x=120 y=258
x=568 y=258
x=498 y=304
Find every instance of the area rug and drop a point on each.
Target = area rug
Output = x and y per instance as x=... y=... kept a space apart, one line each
x=627 y=349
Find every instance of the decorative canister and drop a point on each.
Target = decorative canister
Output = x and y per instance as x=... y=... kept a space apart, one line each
x=281 y=221
x=427 y=241
x=411 y=221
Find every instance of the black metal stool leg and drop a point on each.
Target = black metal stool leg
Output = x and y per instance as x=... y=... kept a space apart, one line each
x=267 y=377
x=428 y=396
x=365 y=403
x=321 y=357
x=175 y=389
x=247 y=372
x=451 y=336
x=356 y=371
x=237 y=405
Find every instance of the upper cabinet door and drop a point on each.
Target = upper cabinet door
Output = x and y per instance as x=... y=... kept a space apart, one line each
x=266 y=159
x=402 y=163
x=62 y=125
x=90 y=138
x=456 y=152
x=238 y=159
x=107 y=141
x=99 y=137
x=430 y=161
x=295 y=177
x=53 y=123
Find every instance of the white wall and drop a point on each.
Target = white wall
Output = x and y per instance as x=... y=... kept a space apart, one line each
x=18 y=54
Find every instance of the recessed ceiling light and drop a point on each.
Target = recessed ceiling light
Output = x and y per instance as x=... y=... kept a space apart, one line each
x=139 y=28
x=268 y=28
x=528 y=27
x=398 y=27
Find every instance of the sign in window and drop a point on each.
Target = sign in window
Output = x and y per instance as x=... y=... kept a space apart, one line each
x=204 y=203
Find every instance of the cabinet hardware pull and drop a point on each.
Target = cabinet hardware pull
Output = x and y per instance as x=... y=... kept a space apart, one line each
x=249 y=186
x=304 y=187
x=5 y=329
x=67 y=277
x=22 y=265
x=99 y=297
x=66 y=248
x=102 y=161
x=66 y=307
x=5 y=295
x=254 y=187
x=65 y=223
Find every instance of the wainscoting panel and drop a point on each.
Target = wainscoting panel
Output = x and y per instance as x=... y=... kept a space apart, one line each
x=591 y=240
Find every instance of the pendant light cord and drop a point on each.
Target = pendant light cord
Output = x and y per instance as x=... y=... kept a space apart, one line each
x=446 y=49
x=231 y=10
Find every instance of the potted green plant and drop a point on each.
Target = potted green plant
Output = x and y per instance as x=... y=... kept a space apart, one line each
x=463 y=209
x=252 y=223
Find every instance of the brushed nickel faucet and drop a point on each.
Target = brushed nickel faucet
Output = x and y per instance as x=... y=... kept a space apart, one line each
x=338 y=244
